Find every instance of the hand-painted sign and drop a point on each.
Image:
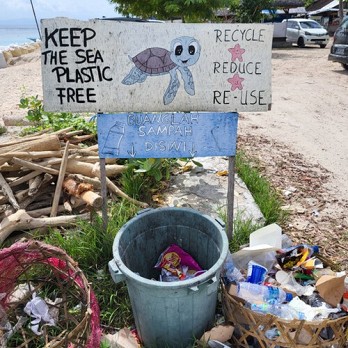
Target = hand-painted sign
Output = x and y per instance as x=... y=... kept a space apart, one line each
x=167 y=135
x=110 y=66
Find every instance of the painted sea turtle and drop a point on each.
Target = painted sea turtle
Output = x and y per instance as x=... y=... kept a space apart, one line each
x=154 y=61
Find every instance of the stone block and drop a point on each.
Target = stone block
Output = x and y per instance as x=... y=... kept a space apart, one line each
x=3 y=63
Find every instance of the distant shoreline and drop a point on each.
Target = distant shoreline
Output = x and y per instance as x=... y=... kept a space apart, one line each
x=17 y=36
x=17 y=27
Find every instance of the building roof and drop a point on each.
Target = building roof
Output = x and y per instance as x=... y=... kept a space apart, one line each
x=318 y=5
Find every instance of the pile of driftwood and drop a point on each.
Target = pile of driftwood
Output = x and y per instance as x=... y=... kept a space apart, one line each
x=52 y=179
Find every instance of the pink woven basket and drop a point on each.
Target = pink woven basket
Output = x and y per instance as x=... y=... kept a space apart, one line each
x=32 y=269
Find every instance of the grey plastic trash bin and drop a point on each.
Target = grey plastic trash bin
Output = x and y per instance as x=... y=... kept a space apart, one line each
x=170 y=314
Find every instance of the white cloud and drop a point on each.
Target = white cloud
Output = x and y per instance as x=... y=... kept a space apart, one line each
x=79 y=9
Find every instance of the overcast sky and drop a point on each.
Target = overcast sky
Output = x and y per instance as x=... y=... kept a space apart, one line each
x=79 y=9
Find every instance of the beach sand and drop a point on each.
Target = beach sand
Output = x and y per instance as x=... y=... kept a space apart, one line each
x=21 y=78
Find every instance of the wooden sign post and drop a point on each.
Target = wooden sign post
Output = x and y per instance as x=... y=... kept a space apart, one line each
x=176 y=88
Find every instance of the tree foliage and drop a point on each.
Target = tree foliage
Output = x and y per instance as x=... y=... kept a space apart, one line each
x=187 y=10
x=250 y=11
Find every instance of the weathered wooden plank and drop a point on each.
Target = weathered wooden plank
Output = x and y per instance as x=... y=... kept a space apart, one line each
x=110 y=66
x=167 y=135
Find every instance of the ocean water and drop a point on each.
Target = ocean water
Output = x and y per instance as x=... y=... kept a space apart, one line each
x=17 y=36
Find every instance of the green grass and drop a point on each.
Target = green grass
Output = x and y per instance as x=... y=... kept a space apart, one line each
x=266 y=197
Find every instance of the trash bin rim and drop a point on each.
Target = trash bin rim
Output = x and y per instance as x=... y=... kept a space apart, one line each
x=203 y=278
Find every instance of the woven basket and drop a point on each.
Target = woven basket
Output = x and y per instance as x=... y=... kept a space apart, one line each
x=50 y=273
x=251 y=327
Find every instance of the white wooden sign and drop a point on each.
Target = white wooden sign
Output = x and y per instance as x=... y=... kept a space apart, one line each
x=110 y=66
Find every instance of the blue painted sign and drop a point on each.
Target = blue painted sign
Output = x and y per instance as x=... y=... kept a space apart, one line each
x=167 y=135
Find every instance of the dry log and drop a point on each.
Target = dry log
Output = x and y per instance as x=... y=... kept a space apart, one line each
x=5 y=168
x=47 y=142
x=34 y=166
x=93 y=148
x=20 y=140
x=6 y=210
x=59 y=183
x=6 y=190
x=110 y=185
x=51 y=161
x=72 y=146
x=67 y=206
x=81 y=138
x=86 y=179
x=72 y=133
x=84 y=191
x=63 y=131
x=24 y=178
x=3 y=199
x=43 y=201
x=21 y=195
x=76 y=202
x=35 y=185
x=73 y=203
x=31 y=154
x=3 y=208
x=92 y=170
x=21 y=220
x=92 y=199
x=44 y=131
x=45 y=187
x=91 y=158
x=84 y=152
x=45 y=211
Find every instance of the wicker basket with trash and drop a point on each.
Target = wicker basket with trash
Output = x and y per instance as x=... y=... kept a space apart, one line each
x=45 y=299
x=276 y=309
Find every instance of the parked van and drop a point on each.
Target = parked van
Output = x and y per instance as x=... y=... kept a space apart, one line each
x=304 y=32
x=339 y=48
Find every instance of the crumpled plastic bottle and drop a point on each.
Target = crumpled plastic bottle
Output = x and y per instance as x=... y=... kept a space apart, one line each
x=230 y=273
x=282 y=311
x=255 y=293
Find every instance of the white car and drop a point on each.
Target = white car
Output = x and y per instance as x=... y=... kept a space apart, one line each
x=304 y=32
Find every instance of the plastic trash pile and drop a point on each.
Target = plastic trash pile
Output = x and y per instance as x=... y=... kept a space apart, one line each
x=288 y=281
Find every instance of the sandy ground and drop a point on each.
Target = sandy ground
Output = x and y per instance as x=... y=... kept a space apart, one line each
x=21 y=79
x=302 y=143
x=309 y=112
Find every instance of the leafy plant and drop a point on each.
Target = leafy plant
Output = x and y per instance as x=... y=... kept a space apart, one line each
x=56 y=121
x=104 y=344
x=145 y=175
